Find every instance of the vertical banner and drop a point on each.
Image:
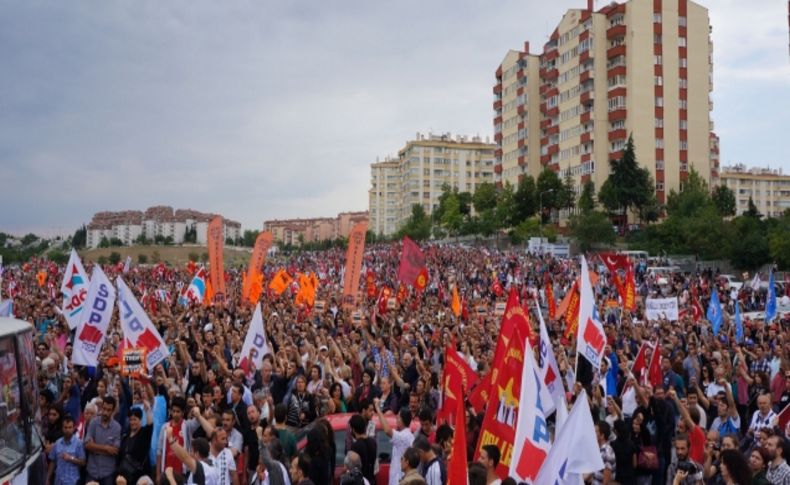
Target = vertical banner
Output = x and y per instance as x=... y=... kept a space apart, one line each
x=356 y=249
x=138 y=330
x=74 y=289
x=95 y=320
x=217 y=269
x=255 y=345
x=262 y=244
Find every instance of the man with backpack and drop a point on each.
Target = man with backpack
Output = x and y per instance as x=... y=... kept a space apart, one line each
x=434 y=472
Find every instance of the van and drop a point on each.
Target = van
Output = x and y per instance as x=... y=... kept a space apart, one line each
x=636 y=255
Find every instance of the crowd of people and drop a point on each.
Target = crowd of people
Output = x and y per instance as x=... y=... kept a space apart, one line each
x=200 y=417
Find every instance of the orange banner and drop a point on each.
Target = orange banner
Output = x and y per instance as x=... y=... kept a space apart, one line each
x=217 y=269
x=262 y=244
x=356 y=249
x=280 y=282
x=572 y=312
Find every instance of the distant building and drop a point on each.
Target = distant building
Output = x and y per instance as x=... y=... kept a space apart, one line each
x=768 y=188
x=420 y=171
x=297 y=231
x=161 y=221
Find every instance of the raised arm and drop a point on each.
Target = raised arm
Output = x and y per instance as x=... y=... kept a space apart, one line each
x=385 y=426
x=179 y=451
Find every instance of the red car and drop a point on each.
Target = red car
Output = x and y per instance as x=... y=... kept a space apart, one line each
x=339 y=424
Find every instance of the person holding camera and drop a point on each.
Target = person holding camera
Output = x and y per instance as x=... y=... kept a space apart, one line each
x=683 y=471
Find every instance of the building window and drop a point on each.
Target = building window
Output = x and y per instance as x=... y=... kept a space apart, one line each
x=681 y=42
x=659 y=101
x=618 y=125
x=684 y=145
x=659 y=165
x=683 y=83
x=656 y=18
x=659 y=143
x=684 y=124
x=659 y=80
x=683 y=103
x=683 y=62
x=660 y=186
x=656 y=38
x=657 y=60
x=682 y=21
x=659 y=122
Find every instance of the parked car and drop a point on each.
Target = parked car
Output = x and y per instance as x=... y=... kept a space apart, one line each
x=340 y=427
x=730 y=281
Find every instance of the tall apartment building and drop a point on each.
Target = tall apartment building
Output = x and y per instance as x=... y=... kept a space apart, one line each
x=294 y=231
x=640 y=68
x=155 y=221
x=768 y=188
x=420 y=171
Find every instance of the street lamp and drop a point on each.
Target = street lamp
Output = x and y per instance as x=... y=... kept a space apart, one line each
x=540 y=210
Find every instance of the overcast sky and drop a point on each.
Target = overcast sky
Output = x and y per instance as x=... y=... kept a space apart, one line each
x=275 y=109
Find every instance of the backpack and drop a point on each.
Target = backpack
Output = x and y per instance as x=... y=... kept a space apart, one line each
x=442 y=469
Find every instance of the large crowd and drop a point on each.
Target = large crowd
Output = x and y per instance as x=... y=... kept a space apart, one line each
x=347 y=393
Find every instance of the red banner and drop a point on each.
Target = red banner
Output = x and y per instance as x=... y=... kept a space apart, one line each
x=456 y=370
x=412 y=261
x=356 y=249
x=548 y=288
x=572 y=312
x=370 y=282
x=217 y=269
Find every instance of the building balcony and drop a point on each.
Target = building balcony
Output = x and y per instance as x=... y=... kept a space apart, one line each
x=616 y=31
x=545 y=123
x=555 y=111
x=498 y=88
x=553 y=150
x=617 y=114
x=553 y=130
x=545 y=159
x=498 y=154
x=522 y=161
x=552 y=73
x=586 y=116
x=615 y=51
x=498 y=105
x=617 y=155
x=498 y=169
x=521 y=110
x=585 y=56
x=586 y=97
x=551 y=55
x=585 y=76
x=615 y=71
x=617 y=135
x=585 y=137
x=617 y=91
x=498 y=137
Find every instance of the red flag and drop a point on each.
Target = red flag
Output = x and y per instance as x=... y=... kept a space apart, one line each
x=514 y=318
x=784 y=417
x=496 y=287
x=384 y=297
x=455 y=370
x=422 y=280
x=548 y=288
x=412 y=261
x=640 y=362
x=457 y=472
x=654 y=373
x=370 y=282
x=402 y=293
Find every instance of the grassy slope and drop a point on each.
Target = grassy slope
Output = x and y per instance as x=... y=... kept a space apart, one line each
x=176 y=255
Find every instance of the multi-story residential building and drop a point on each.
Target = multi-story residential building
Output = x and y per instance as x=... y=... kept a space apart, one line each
x=640 y=68
x=422 y=168
x=162 y=221
x=298 y=231
x=768 y=188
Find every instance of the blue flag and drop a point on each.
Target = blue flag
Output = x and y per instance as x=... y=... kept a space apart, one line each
x=770 y=303
x=714 y=312
x=738 y=323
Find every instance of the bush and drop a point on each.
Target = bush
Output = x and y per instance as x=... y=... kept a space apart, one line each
x=194 y=257
x=156 y=257
x=142 y=259
x=115 y=257
x=58 y=257
x=102 y=260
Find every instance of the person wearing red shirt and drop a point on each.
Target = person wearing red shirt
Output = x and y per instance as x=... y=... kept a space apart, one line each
x=689 y=423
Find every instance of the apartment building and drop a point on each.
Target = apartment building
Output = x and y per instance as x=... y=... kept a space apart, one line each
x=155 y=221
x=423 y=166
x=297 y=231
x=640 y=68
x=768 y=188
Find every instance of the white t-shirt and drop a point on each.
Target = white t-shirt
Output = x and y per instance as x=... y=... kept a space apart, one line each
x=224 y=463
x=204 y=474
x=400 y=441
x=713 y=389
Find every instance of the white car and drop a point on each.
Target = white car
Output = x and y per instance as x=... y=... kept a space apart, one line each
x=731 y=282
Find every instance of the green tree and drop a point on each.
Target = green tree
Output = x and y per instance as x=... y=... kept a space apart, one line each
x=629 y=186
x=102 y=260
x=779 y=241
x=452 y=217
x=752 y=211
x=724 y=200
x=249 y=237
x=29 y=239
x=58 y=256
x=104 y=242
x=750 y=246
x=550 y=191
x=80 y=238
x=142 y=240
x=115 y=242
x=485 y=197
x=465 y=203
x=524 y=230
x=591 y=229
x=587 y=198
x=228 y=241
x=142 y=258
x=115 y=257
x=505 y=211
x=567 y=196
x=417 y=226
x=651 y=211
x=190 y=235
x=525 y=200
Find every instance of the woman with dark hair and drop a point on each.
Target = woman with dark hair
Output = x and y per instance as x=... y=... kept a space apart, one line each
x=758 y=463
x=329 y=442
x=336 y=403
x=734 y=469
x=626 y=452
x=366 y=391
x=647 y=454
x=302 y=405
x=135 y=445
x=316 y=380
x=319 y=454
x=54 y=421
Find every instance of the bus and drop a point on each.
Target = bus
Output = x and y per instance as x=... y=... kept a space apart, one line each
x=21 y=456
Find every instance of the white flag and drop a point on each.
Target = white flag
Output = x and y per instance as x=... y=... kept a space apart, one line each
x=138 y=331
x=549 y=370
x=255 y=343
x=576 y=450
x=755 y=284
x=96 y=316
x=127 y=265
x=590 y=337
x=532 y=432
x=7 y=308
x=75 y=290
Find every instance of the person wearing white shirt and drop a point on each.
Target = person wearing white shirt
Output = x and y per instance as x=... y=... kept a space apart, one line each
x=222 y=458
x=401 y=438
x=201 y=472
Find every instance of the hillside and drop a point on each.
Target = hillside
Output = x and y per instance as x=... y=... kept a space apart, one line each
x=175 y=255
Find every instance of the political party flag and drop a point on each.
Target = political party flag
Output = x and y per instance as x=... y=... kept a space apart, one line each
x=770 y=302
x=370 y=283
x=575 y=450
x=548 y=290
x=549 y=370
x=75 y=289
x=755 y=284
x=196 y=289
x=422 y=280
x=532 y=431
x=569 y=309
x=254 y=271
x=457 y=467
x=640 y=362
x=654 y=374
x=412 y=261
x=280 y=282
x=353 y=268
x=216 y=241
x=783 y=417
x=163 y=296
x=137 y=328
x=127 y=265
x=714 y=312
x=307 y=288
x=255 y=344
x=383 y=301
x=255 y=288
x=456 y=369
x=514 y=317
x=95 y=320
x=738 y=323
x=499 y=422
x=456 y=303
x=629 y=290
x=590 y=339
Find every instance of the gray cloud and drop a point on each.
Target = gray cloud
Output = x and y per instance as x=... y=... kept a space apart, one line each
x=272 y=109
